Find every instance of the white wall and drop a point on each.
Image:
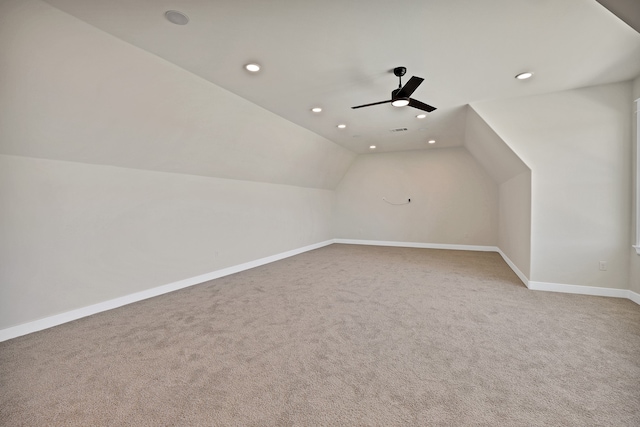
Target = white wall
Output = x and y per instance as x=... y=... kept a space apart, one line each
x=177 y=177
x=75 y=234
x=577 y=144
x=453 y=200
x=514 y=231
x=634 y=261
x=514 y=180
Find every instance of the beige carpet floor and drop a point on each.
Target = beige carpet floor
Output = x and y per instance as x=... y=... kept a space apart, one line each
x=343 y=335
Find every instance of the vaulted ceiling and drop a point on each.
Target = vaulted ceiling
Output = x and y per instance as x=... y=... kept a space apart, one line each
x=336 y=54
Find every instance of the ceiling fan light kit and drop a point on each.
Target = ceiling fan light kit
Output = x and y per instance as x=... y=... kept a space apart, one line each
x=401 y=97
x=400 y=102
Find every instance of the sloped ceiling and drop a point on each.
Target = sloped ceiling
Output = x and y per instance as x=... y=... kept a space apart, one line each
x=338 y=53
x=486 y=146
x=74 y=93
x=627 y=10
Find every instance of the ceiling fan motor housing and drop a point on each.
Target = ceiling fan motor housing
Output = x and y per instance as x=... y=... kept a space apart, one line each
x=399 y=71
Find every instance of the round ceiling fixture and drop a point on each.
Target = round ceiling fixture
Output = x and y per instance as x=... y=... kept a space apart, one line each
x=176 y=17
x=421 y=116
x=401 y=102
x=432 y=141
x=342 y=126
x=254 y=68
x=373 y=147
x=316 y=109
x=524 y=76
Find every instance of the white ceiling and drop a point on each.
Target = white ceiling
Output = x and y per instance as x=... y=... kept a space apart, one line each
x=339 y=53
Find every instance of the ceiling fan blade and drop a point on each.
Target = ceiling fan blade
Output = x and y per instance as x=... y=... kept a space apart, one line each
x=409 y=87
x=420 y=105
x=374 y=103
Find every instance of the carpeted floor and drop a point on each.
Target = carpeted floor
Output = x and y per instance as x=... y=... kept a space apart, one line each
x=343 y=335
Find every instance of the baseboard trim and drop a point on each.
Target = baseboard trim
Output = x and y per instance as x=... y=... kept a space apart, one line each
x=532 y=285
x=417 y=245
x=515 y=269
x=58 y=319
x=579 y=289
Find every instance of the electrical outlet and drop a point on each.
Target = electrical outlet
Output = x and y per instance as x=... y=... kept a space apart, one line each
x=603 y=265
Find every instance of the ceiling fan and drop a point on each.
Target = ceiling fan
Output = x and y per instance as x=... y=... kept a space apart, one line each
x=401 y=96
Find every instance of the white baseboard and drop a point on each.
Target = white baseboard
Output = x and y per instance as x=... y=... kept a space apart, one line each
x=417 y=245
x=515 y=269
x=536 y=286
x=578 y=289
x=58 y=319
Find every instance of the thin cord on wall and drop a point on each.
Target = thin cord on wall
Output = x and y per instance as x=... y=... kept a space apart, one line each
x=396 y=204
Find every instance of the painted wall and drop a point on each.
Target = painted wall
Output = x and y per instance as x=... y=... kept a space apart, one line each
x=514 y=231
x=577 y=144
x=72 y=92
x=76 y=234
x=453 y=200
x=634 y=261
x=121 y=172
x=514 y=180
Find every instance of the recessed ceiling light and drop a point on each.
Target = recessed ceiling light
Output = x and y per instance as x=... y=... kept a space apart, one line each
x=421 y=116
x=402 y=102
x=524 y=76
x=432 y=141
x=254 y=68
x=373 y=147
x=176 y=17
x=316 y=109
x=342 y=126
